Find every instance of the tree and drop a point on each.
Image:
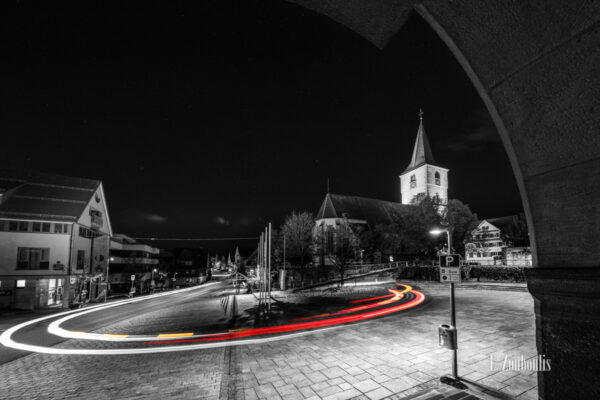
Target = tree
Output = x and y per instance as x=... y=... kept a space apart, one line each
x=516 y=233
x=298 y=233
x=341 y=246
x=459 y=219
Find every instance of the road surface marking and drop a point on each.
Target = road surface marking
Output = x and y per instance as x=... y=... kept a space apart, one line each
x=166 y=335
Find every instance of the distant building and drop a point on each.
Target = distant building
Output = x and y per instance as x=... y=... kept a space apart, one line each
x=129 y=258
x=488 y=244
x=184 y=266
x=54 y=239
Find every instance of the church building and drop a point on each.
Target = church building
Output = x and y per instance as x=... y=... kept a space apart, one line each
x=421 y=177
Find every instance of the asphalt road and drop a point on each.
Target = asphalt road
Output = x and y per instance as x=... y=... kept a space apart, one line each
x=202 y=298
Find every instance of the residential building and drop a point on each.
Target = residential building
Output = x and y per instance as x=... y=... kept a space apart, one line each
x=491 y=243
x=54 y=239
x=128 y=259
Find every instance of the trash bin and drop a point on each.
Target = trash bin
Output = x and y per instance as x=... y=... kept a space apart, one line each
x=448 y=337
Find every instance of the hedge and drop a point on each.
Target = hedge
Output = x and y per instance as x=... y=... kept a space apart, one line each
x=479 y=273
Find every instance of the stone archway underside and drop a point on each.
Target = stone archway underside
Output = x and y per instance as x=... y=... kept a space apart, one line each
x=536 y=65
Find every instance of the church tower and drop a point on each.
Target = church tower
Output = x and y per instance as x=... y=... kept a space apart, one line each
x=422 y=175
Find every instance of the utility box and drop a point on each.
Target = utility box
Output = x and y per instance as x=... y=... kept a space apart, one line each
x=448 y=337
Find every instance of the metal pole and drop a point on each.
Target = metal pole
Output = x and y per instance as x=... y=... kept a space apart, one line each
x=266 y=261
x=452 y=313
x=106 y=289
x=269 y=272
x=260 y=262
x=453 y=323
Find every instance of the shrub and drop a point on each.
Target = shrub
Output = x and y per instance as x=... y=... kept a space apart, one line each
x=483 y=273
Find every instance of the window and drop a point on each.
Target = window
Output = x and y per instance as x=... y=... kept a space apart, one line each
x=33 y=258
x=21 y=283
x=23 y=226
x=3 y=225
x=88 y=233
x=36 y=227
x=413 y=181
x=12 y=226
x=58 y=228
x=80 y=259
x=96 y=217
x=45 y=227
x=437 y=178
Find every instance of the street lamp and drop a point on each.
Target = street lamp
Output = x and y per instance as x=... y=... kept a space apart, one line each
x=439 y=231
x=152 y=284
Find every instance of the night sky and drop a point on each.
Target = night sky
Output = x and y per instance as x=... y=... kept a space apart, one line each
x=211 y=118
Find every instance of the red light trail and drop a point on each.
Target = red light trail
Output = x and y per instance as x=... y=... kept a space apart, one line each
x=416 y=298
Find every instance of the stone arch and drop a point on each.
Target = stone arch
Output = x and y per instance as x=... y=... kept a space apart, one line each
x=536 y=65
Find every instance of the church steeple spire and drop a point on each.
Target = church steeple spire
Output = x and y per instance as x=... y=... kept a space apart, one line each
x=422 y=152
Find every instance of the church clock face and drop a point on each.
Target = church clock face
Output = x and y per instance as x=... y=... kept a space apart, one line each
x=413 y=181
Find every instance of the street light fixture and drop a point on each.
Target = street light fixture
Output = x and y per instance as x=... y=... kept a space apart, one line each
x=439 y=231
x=454 y=381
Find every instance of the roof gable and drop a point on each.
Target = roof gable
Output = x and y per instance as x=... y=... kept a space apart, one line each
x=327 y=209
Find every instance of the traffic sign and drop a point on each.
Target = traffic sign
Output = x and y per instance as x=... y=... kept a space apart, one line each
x=450 y=260
x=450 y=274
x=133 y=277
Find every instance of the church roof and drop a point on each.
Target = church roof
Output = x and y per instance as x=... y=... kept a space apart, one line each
x=372 y=211
x=422 y=152
x=28 y=194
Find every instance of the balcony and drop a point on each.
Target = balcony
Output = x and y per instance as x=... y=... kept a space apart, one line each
x=133 y=260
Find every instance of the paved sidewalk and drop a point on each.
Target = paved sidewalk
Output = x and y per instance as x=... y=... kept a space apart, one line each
x=391 y=357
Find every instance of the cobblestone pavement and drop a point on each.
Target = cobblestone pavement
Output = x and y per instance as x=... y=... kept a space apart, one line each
x=391 y=357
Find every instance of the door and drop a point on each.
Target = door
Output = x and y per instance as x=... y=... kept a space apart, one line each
x=51 y=291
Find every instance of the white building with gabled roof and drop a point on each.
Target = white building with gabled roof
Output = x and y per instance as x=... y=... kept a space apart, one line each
x=54 y=239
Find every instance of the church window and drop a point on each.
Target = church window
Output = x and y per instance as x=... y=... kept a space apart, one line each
x=413 y=181
x=437 y=178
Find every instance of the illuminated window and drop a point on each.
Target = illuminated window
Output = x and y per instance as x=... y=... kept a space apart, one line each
x=413 y=181
x=437 y=178
x=21 y=283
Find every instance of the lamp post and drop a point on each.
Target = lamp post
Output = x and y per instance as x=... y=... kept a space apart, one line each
x=110 y=259
x=152 y=283
x=454 y=381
